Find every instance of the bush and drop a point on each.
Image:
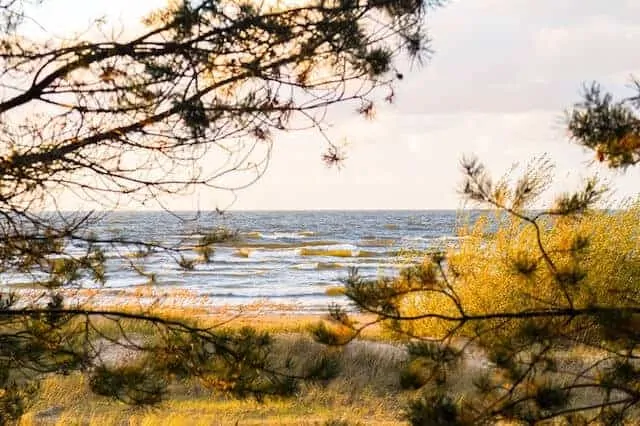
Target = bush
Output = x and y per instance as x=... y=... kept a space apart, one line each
x=498 y=268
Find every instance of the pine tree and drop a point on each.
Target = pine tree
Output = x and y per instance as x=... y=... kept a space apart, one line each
x=193 y=100
x=534 y=318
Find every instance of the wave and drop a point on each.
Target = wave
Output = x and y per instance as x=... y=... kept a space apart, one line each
x=329 y=265
x=378 y=242
x=336 y=252
x=240 y=272
x=320 y=266
x=261 y=254
x=266 y=253
x=297 y=235
x=305 y=266
x=283 y=236
x=450 y=238
x=339 y=251
x=432 y=239
x=335 y=291
x=263 y=296
x=280 y=245
x=243 y=252
x=368 y=253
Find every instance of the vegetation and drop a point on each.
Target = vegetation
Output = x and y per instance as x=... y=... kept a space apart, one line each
x=608 y=127
x=193 y=100
x=535 y=317
x=363 y=391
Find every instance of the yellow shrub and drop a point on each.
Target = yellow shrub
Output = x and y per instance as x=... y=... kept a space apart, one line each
x=502 y=269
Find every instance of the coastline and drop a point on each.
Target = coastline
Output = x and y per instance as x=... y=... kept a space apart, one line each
x=262 y=314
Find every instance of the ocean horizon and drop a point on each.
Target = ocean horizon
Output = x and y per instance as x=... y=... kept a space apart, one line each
x=280 y=256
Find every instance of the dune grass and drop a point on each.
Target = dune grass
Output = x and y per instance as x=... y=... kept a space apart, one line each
x=366 y=392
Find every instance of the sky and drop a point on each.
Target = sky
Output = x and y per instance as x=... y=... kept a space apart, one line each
x=502 y=76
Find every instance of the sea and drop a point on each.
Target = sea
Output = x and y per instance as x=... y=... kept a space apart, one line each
x=279 y=257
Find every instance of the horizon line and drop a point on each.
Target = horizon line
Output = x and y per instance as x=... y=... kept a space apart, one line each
x=265 y=210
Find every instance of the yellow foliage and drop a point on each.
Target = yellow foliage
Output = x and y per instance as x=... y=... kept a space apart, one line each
x=501 y=268
x=27 y=420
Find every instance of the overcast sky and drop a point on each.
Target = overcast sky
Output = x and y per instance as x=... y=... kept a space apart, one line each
x=503 y=73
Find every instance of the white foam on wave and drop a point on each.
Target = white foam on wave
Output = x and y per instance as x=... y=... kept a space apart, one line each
x=279 y=235
x=260 y=254
x=306 y=266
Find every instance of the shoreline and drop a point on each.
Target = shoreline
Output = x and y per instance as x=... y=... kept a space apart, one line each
x=263 y=314
x=157 y=297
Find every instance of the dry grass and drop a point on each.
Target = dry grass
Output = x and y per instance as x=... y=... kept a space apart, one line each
x=366 y=391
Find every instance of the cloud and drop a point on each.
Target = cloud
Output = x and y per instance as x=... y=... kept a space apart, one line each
x=517 y=55
x=600 y=45
x=411 y=161
x=502 y=75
